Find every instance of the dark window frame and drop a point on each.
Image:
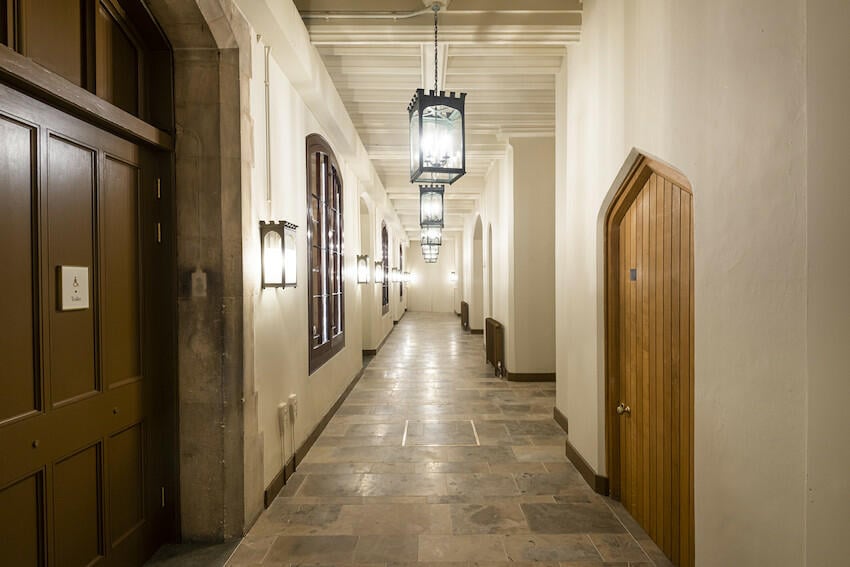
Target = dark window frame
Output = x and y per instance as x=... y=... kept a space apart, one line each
x=325 y=258
x=400 y=272
x=385 y=256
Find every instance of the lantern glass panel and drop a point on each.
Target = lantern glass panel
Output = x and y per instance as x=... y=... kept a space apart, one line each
x=272 y=259
x=415 y=153
x=290 y=258
x=379 y=272
x=442 y=137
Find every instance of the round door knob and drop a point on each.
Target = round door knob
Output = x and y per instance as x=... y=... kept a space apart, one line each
x=623 y=409
x=35 y=444
x=115 y=411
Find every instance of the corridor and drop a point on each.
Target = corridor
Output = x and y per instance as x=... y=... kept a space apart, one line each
x=432 y=460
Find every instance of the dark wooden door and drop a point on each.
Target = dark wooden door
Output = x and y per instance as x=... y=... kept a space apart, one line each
x=650 y=356
x=79 y=481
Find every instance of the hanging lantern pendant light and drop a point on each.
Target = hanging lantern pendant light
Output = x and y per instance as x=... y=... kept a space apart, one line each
x=437 y=130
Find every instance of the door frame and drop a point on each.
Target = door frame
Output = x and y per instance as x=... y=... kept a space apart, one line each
x=642 y=169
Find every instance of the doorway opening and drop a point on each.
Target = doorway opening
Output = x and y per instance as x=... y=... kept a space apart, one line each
x=476 y=308
x=649 y=349
x=490 y=270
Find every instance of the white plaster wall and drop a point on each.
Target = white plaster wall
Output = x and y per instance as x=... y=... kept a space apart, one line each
x=280 y=316
x=534 y=256
x=495 y=208
x=718 y=90
x=430 y=290
x=563 y=137
x=828 y=270
x=459 y=271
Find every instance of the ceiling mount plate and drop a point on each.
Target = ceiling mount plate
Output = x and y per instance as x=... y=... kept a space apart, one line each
x=444 y=4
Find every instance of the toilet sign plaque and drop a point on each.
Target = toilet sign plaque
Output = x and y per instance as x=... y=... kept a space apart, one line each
x=73 y=288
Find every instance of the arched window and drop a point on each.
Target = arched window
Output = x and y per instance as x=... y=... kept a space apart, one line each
x=385 y=256
x=326 y=289
x=400 y=272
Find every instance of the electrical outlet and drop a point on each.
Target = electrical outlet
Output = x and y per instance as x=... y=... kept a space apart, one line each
x=293 y=401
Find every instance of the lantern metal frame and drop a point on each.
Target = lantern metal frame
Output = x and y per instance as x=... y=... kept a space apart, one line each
x=286 y=231
x=363 y=269
x=379 y=272
x=439 y=190
x=421 y=101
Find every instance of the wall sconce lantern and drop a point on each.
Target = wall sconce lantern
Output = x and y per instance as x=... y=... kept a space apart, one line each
x=431 y=206
x=379 y=272
x=431 y=236
x=394 y=276
x=406 y=278
x=437 y=131
x=453 y=277
x=279 y=254
x=363 y=269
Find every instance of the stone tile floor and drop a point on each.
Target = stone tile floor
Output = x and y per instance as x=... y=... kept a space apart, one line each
x=498 y=491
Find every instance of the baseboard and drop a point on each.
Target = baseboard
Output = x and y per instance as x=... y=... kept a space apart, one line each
x=278 y=482
x=597 y=482
x=476 y=331
x=530 y=377
x=561 y=419
x=281 y=477
x=373 y=352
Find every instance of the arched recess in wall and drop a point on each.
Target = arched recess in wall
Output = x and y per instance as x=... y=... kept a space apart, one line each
x=367 y=247
x=476 y=306
x=649 y=353
x=490 y=270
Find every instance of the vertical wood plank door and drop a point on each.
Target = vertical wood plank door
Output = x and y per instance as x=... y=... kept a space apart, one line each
x=79 y=477
x=649 y=354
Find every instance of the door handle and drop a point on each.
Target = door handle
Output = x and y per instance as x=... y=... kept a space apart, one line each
x=623 y=409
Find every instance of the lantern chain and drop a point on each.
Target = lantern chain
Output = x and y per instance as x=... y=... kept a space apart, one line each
x=436 y=9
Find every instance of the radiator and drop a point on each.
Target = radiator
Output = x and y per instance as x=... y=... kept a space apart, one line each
x=494 y=339
x=464 y=315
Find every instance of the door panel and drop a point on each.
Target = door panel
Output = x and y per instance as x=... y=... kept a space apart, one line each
x=18 y=194
x=22 y=516
x=77 y=197
x=125 y=483
x=53 y=35
x=70 y=188
x=77 y=508
x=120 y=272
x=650 y=357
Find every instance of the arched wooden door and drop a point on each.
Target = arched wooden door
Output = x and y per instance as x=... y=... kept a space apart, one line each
x=650 y=355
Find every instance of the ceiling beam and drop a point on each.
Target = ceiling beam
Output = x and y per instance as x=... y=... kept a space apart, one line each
x=402 y=6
